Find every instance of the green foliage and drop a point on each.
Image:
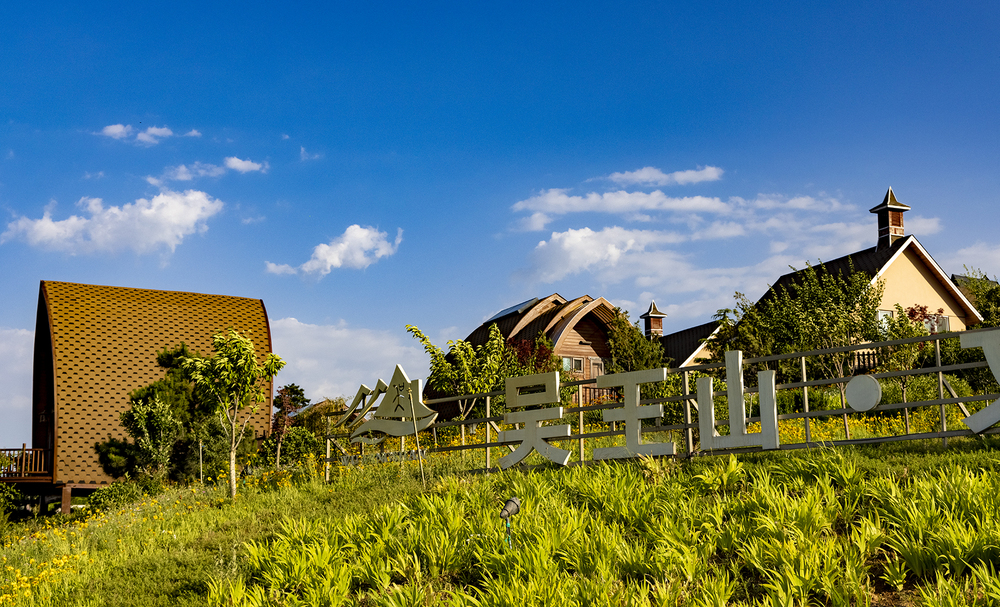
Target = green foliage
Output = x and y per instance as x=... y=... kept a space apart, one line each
x=630 y=349
x=116 y=495
x=154 y=431
x=234 y=381
x=468 y=369
x=315 y=417
x=297 y=443
x=819 y=309
x=985 y=295
x=290 y=400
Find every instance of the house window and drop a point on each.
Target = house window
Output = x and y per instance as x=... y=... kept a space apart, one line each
x=937 y=323
x=596 y=368
x=883 y=317
x=578 y=365
x=572 y=364
x=567 y=363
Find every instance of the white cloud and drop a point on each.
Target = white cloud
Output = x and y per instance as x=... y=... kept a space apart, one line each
x=10 y=155
x=358 y=247
x=16 y=347
x=186 y=173
x=117 y=131
x=980 y=255
x=285 y=136
x=279 y=268
x=557 y=201
x=245 y=166
x=142 y=226
x=334 y=360
x=923 y=226
x=304 y=155
x=97 y=175
x=651 y=176
x=193 y=133
x=153 y=134
x=535 y=222
x=249 y=220
x=574 y=251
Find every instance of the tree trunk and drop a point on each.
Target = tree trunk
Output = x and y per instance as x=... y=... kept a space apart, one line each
x=232 y=454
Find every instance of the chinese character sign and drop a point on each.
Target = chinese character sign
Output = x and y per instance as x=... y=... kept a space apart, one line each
x=631 y=413
x=738 y=436
x=542 y=389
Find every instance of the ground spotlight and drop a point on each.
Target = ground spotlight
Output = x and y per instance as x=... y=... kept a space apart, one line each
x=512 y=507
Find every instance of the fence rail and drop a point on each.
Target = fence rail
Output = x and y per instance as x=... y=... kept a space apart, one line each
x=25 y=464
x=873 y=359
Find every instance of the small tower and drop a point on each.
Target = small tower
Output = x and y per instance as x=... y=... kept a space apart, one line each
x=890 y=220
x=653 y=321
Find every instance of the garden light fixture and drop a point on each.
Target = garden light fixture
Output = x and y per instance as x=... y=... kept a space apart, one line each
x=512 y=507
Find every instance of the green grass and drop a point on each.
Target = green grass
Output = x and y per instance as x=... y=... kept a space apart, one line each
x=900 y=524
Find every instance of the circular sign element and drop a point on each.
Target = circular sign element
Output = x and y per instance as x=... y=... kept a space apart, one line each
x=863 y=392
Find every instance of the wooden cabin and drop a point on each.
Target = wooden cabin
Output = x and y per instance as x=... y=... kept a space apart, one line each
x=94 y=345
x=577 y=328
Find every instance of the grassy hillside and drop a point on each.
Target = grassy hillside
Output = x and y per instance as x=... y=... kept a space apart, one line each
x=888 y=525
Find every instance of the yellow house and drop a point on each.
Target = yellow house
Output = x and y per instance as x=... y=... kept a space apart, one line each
x=909 y=274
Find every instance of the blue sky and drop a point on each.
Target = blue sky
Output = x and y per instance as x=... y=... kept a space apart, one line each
x=360 y=168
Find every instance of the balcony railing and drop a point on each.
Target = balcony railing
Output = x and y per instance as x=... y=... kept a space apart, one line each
x=25 y=464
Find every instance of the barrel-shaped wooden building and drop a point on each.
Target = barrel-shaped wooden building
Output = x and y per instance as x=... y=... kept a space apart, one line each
x=94 y=345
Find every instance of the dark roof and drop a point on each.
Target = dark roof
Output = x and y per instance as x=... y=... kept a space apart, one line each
x=653 y=311
x=962 y=282
x=682 y=344
x=870 y=261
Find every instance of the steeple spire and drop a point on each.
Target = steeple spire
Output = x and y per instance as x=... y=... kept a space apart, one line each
x=653 y=320
x=890 y=220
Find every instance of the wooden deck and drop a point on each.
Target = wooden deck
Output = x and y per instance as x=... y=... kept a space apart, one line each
x=25 y=465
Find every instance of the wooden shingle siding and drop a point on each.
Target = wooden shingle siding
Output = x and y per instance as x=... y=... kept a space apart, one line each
x=95 y=344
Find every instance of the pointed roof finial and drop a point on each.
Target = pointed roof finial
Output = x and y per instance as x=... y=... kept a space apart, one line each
x=890 y=202
x=652 y=312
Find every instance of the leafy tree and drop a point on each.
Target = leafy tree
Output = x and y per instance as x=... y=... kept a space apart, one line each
x=153 y=427
x=985 y=295
x=314 y=417
x=234 y=380
x=468 y=369
x=290 y=400
x=819 y=309
x=630 y=349
x=901 y=325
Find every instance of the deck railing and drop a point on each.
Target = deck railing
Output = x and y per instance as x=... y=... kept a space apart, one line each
x=25 y=464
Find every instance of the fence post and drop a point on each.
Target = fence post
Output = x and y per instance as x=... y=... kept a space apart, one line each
x=937 y=362
x=326 y=466
x=487 y=433
x=689 y=431
x=579 y=420
x=805 y=401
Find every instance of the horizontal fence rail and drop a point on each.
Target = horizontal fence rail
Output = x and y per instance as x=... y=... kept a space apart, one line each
x=25 y=464
x=802 y=372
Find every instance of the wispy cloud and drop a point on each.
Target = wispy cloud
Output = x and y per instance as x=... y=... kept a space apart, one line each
x=149 y=137
x=15 y=384
x=652 y=176
x=304 y=155
x=143 y=226
x=117 y=131
x=251 y=220
x=558 y=201
x=153 y=135
x=97 y=175
x=245 y=166
x=333 y=360
x=358 y=247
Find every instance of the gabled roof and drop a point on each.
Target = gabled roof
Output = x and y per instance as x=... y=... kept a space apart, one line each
x=552 y=315
x=682 y=346
x=874 y=262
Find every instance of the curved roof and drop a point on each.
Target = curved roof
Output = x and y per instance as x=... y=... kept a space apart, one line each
x=553 y=315
x=95 y=344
